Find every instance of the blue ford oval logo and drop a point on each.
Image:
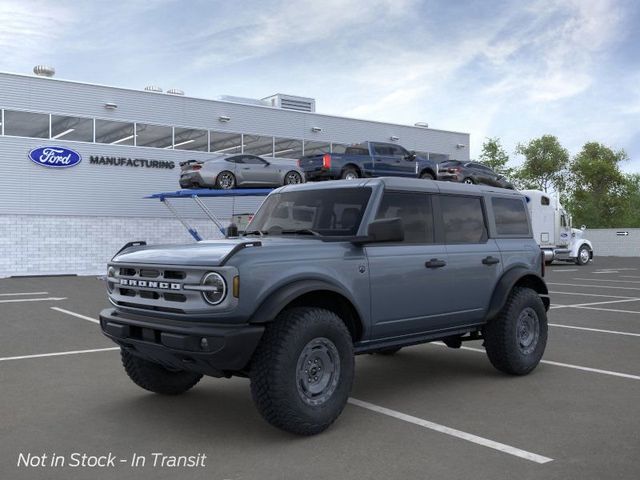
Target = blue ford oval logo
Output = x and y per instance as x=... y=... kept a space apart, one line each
x=55 y=157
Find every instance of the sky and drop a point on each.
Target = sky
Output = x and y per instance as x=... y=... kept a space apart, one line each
x=509 y=69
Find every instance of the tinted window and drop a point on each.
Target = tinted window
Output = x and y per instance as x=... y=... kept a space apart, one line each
x=250 y=159
x=287 y=148
x=511 y=218
x=72 y=128
x=383 y=149
x=226 y=143
x=330 y=212
x=463 y=219
x=115 y=133
x=315 y=148
x=191 y=139
x=257 y=145
x=414 y=209
x=157 y=136
x=545 y=201
x=238 y=159
x=357 y=151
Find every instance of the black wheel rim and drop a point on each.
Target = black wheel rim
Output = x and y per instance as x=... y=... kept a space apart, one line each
x=318 y=371
x=292 y=178
x=468 y=181
x=528 y=330
x=225 y=180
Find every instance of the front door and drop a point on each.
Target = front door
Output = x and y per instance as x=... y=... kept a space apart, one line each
x=410 y=280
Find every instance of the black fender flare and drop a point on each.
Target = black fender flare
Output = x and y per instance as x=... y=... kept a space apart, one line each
x=509 y=280
x=282 y=296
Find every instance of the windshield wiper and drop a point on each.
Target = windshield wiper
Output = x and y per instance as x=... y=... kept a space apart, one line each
x=255 y=232
x=301 y=231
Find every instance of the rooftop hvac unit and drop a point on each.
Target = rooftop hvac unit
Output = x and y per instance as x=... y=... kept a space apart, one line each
x=291 y=102
x=153 y=88
x=175 y=91
x=44 y=71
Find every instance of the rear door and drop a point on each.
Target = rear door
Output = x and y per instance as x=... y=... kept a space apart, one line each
x=383 y=159
x=474 y=258
x=410 y=280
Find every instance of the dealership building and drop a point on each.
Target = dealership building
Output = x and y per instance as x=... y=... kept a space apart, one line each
x=129 y=144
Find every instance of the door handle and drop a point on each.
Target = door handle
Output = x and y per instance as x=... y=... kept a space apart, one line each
x=435 y=263
x=490 y=260
x=246 y=168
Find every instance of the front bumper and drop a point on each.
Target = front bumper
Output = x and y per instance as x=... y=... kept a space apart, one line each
x=210 y=349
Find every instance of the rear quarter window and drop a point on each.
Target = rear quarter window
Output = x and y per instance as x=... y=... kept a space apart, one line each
x=511 y=216
x=463 y=219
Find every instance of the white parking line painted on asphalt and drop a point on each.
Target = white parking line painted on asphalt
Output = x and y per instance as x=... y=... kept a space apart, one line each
x=59 y=354
x=22 y=293
x=607 y=272
x=629 y=276
x=48 y=299
x=73 y=314
x=562 y=271
x=594 y=303
x=598 y=330
x=587 y=294
x=559 y=364
x=533 y=457
x=606 y=280
x=592 y=286
x=610 y=310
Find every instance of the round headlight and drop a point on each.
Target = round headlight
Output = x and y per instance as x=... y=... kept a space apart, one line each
x=111 y=273
x=216 y=288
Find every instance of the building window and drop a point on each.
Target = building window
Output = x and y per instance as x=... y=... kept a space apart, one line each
x=287 y=148
x=226 y=143
x=191 y=139
x=115 y=133
x=316 y=148
x=157 y=136
x=338 y=148
x=71 y=128
x=26 y=124
x=436 y=157
x=258 y=145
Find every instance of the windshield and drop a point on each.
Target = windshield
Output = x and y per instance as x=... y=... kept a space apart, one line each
x=325 y=212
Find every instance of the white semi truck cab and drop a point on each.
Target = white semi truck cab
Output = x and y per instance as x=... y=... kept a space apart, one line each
x=552 y=230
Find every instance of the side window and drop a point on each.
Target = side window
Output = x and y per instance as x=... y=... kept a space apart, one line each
x=253 y=160
x=237 y=159
x=545 y=201
x=511 y=216
x=414 y=209
x=463 y=219
x=398 y=151
x=383 y=150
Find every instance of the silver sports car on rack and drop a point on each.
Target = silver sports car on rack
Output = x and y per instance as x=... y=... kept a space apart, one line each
x=240 y=170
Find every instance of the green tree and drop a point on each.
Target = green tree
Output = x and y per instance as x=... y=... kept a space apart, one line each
x=545 y=164
x=600 y=194
x=495 y=157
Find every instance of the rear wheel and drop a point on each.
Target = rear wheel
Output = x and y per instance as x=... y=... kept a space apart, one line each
x=155 y=378
x=302 y=371
x=350 y=173
x=468 y=181
x=516 y=339
x=292 y=178
x=225 y=180
x=584 y=255
x=427 y=176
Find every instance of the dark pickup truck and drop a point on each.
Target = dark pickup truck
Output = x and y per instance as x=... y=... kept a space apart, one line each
x=368 y=159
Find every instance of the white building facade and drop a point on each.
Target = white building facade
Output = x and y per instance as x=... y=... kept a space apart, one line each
x=129 y=144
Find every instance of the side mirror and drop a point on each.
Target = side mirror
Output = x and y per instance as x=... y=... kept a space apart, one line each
x=411 y=156
x=383 y=230
x=583 y=228
x=232 y=231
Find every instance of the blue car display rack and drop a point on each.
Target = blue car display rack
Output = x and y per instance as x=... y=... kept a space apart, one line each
x=197 y=194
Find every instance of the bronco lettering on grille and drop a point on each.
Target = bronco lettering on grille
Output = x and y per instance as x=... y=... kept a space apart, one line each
x=145 y=283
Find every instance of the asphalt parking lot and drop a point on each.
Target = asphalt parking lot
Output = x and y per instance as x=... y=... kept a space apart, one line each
x=429 y=412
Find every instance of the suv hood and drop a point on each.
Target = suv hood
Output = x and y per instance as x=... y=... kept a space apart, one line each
x=211 y=253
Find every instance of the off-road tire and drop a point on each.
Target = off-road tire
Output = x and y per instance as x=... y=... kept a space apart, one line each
x=275 y=384
x=156 y=378
x=502 y=335
x=579 y=260
x=427 y=176
x=388 y=351
x=349 y=173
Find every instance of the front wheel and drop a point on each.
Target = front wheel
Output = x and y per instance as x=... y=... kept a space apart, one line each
x=350 y=173
x=302 y=371
x=584 y=255
x=468 y=181
x=155 y=378
x=516 y=339
x=225 y=180
x=427 y=176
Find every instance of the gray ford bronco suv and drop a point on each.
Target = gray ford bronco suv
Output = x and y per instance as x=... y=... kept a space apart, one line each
x=323 y=272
